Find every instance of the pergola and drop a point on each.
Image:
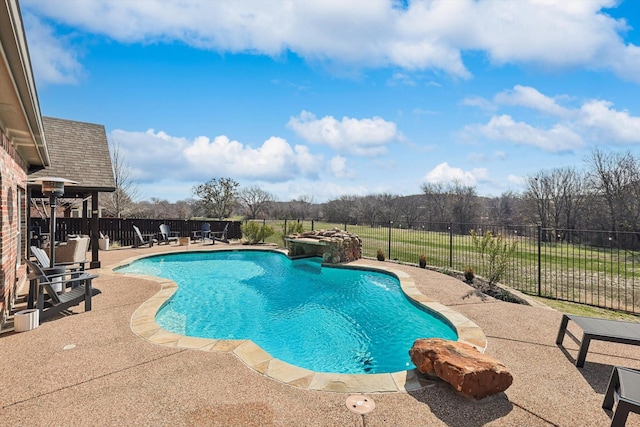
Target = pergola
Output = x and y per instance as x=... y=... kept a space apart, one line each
x=79 y=152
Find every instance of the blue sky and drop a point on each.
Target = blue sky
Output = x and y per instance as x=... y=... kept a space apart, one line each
x=333 y=97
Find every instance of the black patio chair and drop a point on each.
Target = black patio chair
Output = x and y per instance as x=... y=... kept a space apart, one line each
x=624 y=387
x=42 y=282
x=143 y=239
x=166 y=235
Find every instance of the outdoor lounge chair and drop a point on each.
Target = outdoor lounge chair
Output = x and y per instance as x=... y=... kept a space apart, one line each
x=624 y=387
x=598 y=329
x=41 y=282
x=202 y=233
x=140 y=238
x=167 y=236
x=219 y=235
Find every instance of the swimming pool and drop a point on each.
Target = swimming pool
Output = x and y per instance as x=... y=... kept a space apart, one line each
x=322 y=319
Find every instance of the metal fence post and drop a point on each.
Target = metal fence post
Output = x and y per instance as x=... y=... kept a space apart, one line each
x=450 y=226
x=313 y=224
x=390 y=224
x=539 y=260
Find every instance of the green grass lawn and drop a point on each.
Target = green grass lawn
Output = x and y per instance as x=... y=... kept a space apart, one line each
x=592 y=275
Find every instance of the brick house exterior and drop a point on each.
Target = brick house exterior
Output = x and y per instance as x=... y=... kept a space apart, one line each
x=22 y=150
x=32 y=146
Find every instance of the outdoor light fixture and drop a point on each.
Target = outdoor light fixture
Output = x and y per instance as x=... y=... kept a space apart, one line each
x=53 y=188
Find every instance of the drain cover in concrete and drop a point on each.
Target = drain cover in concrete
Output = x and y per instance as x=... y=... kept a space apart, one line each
x=360 y=404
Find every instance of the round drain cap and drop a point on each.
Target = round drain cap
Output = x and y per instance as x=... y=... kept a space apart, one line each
x=360 y=404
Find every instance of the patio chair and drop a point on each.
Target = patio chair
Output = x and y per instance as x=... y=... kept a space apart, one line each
x=73 y=251
x=598 y=329
x=143 y=239
x=202 y=233
x=219 y=235
x=42 y=282
x=624 y=388
x=42 y=257
x=167 y=236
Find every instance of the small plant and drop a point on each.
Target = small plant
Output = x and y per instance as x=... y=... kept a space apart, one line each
x=254 y=232
x=469 y=274
x=495 y=254
x=380 y=255
x=423 y=261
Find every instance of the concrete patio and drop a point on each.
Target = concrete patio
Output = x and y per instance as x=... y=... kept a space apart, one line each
x=91 y=369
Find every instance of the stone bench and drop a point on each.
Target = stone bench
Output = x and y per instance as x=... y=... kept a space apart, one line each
x=470 y=372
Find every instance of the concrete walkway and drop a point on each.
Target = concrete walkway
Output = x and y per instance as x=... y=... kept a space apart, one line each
x=91 y=369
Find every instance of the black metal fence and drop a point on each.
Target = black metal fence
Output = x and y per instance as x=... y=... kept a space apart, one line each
x=598 y=268
x=121 y=230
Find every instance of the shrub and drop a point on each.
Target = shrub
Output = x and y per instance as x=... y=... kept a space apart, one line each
x=495 y=254
x=380 y=255
x=254 y=232
x=423 y=261
x=292 y=227
x=468 y=274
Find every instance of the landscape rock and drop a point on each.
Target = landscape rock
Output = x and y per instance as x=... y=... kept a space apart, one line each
x=334 y=246
x=470 y=372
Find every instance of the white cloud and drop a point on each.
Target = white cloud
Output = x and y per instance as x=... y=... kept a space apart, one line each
x=399 y=78
x=365 y=137
x=152 y=155
x=531 y=98
x=372 y=33
x=275 y=160
x=52 y=60
x=517 y=180
x=480 y=102
x=594 y=121
x=443 y=173
x=609 y=124
x=338 y=167
x=503 y=128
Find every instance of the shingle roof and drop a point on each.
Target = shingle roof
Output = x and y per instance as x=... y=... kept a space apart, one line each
x=79 y=152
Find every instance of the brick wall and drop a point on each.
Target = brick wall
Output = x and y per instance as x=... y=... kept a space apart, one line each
x=12 y=222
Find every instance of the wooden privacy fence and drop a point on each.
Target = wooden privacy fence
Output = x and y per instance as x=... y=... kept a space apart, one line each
x=121 y=230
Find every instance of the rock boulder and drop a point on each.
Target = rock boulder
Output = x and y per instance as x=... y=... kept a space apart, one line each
x=470 y=372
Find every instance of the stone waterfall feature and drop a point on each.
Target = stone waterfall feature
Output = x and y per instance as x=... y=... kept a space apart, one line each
x=334 y=246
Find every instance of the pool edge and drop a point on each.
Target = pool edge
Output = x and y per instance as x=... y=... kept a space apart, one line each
x=143 y=324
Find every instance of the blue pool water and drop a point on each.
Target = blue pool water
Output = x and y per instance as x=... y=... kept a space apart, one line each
x=320 y=318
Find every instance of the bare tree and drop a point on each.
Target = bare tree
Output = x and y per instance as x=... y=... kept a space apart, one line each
x=412 y=209
x=341 y=210
x=616 y=178
x=436 y=202
x=556 y=199
x=464 y=204
x=255 y=201
x=505 y=209
x=121 y=202
x=369 y=210
x=300 y=208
